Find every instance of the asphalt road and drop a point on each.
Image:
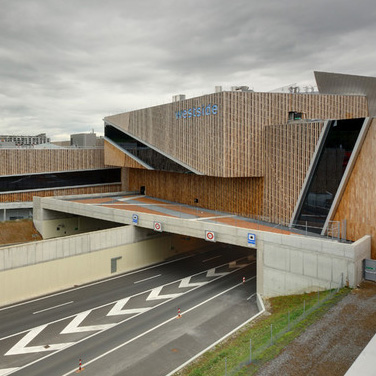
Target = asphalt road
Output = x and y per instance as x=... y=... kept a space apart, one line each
x=129 y=324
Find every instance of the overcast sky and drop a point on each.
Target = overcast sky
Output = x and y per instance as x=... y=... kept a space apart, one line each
x=66 y=64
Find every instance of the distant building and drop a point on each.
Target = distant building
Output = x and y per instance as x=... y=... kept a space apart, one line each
x=24 y=140
x=83 y=140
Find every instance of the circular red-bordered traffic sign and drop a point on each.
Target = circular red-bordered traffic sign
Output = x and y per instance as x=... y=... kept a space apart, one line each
x=210 y=236
x=157 y=226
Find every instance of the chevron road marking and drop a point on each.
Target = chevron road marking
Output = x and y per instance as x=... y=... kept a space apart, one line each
x=73 y=326
x=117 y=309
x=185 y=282
x=212 y=273
x=166 y=322
x=20 y=346
x=154 y=294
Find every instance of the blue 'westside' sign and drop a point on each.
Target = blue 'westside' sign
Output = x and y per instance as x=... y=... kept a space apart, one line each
x=210 y=109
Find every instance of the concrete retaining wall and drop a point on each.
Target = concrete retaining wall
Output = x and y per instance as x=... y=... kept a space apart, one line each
x=296 y=264
x=48 y=266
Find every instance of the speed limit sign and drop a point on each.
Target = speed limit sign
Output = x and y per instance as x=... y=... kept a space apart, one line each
x=210 y=236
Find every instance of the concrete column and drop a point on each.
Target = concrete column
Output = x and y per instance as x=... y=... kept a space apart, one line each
x=260 y=267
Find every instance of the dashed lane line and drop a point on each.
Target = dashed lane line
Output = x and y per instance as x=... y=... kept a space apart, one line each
x=147 y=279
x=154 y=328
x=57 y=306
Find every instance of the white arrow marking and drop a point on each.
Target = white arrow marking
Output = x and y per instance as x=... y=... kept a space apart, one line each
x=20 y=346
x=212 y=273
x=154 y=295
x=185 y=282
x=117 y=309
x=73 y=326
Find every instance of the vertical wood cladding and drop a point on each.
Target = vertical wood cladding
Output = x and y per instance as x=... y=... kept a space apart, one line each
x=358 y=204
x=29 y=161
x=288 y=153
x=28 y=196
x=230 y=142
x=242 y=196
x=115 y=157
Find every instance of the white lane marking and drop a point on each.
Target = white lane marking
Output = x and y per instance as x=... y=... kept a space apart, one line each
x=117 y=309
x=251 y=296
x=20 y=346
x=125 y=320
x=154 y=294
x=7 y=371
x=218 y=341
x=213 y=273
x=185 y=282
x=57 y=306
x=73 y=326
x=140 y=293
x=96 y=283
x=146 y=279
x=158 y=326
x=212 y=258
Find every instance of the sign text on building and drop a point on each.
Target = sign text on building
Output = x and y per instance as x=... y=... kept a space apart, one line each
x=210 y=109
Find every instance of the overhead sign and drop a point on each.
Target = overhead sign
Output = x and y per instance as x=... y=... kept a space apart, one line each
x=158 y=226
x=135 y=219
x=210 y=109
x=251 y=240
x=210 y=236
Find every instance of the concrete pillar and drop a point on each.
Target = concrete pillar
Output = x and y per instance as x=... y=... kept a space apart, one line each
x=260 y=267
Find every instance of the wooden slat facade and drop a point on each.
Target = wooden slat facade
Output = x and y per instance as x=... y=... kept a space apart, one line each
x=242 y=196
x=28 y=196
x=358 y=205
x=115 y=157
x=288 y=152
x=230 y=142
x=30 y=161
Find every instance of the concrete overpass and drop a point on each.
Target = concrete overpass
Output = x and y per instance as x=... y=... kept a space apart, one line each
x=287 y=263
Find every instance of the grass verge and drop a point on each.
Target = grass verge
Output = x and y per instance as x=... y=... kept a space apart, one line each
x=296 y=312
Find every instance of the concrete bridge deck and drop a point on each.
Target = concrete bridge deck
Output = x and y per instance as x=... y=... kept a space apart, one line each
x=150 y=205
x=287 y=262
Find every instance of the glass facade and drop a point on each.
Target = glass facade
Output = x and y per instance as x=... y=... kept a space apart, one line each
x=331 y=164
x=33 y=182
x=144 y=153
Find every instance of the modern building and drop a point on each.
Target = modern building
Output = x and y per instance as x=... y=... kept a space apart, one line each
x=48 y=170
x=302 y=160
x=24 y=140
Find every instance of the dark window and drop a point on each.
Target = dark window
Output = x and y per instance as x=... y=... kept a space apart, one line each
x=149 y=156
x=326 y=176
x=59 y=179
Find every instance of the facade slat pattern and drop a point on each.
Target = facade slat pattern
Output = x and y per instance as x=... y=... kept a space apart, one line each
x=241 y=196
x=28 y=196
x=115 y=157
x=289 y=150
x=29 y=161
x=230 y=142
x=358 y=204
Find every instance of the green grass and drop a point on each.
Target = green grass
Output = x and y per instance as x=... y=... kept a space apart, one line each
x=235 y=350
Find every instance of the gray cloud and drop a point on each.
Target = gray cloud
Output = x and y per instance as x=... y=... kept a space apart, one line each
x=66 y=65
